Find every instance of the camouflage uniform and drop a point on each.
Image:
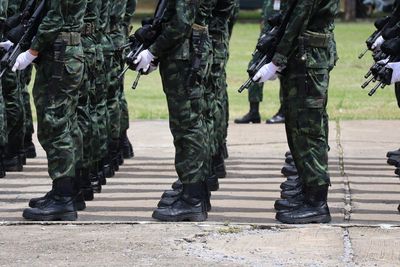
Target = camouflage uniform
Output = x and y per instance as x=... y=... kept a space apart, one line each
x=24 y=80
x=219 y=31
x=56 y=100
x=120 y=17
x=3 y=125
x=305 y=86
x=88 y=88
x=175 y=49
x=268 y=10
x=14 y=108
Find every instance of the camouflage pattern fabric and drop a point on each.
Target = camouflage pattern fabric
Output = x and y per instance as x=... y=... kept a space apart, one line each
x=3 y=124
x=305 y=88
x=86 y=117
x=186 y=104
x=56 y=100
x=24 y=80
x=219 y=30
x=14 y=107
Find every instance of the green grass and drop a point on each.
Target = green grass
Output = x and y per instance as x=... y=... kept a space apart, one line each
x=346 y=99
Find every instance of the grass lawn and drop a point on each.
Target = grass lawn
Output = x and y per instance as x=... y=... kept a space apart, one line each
x=346 y=99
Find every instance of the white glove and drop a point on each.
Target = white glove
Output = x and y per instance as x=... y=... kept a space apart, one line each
x=395 y=66
x=266 y=73
x=143 y=60
x=152 y=67
x=378 y=42
x=23 y=61
x=6 y=45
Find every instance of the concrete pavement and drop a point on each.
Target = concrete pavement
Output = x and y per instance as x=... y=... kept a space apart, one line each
x=117 y=229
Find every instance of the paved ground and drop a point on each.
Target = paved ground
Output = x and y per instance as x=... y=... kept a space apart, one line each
x=117 y=229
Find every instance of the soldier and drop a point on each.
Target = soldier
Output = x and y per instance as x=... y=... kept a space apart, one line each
x=88 y=180
x=12 y=93
x=59 y=73
x=270 y=8
x=305 y=56
x=3 y=126
x=219 y=32
x=180 y=41
x=116 y=103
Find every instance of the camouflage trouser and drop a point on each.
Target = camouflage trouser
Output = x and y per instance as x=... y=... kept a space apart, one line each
x=186 y=109
x=56 y=103
x=14 y=113
x=101 y=105
x=25 y=79
x=124 y=112
x=85 y=121
x=3 y=124
x=219 y=85
x=306 y=120
x=113 y=103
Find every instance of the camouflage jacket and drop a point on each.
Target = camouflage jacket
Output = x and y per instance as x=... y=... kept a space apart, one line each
x=270 y=8
x=92 y=13
x=60 y=16
x=221 y=14
x=313 y=15
x=179 y=19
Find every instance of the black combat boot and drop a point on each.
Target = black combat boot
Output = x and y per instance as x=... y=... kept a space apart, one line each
x=29 y=147
x=101 y=174
x=2 y=168
x=253 y=116
x=114 y=154
x=85 y=185
x=225 y=150
x=177 y=185
x=279 y=117
x=289 y=170
x=40 y=201
x=289 y=204
x=95 y=181
x=126 y=146
x=212 y=183
x=58 y=205
x=393 y=153
x=190 y=206
x=289 y=160
x=285 y=194
x=218 y=165
x=22 y=157
x=13 y=163
x=397 y=171
x=170 y=196
x=314 y=209
x=394 y=160
x=107 y=167
x=291 y=184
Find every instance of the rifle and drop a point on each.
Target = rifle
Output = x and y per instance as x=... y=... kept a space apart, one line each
x=379 y=25
x=21 y=17
x=267 y=46
x=25 y=33
x=143 y=38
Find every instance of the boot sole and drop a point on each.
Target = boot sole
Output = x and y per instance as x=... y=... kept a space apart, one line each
x=315 y=219
x=196 y=217
x=68 y=216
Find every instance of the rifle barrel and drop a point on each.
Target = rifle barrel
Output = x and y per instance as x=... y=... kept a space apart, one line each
x=363 y=54
x=135 y=84
x=373 y=90
x=367 y=83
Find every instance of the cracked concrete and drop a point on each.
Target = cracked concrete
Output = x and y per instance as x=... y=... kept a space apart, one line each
x=117 y=229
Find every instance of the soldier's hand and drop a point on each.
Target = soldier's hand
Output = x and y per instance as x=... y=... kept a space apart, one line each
x=266 y=73
x=378 y=42
x=23 y=61
x=143 y=60
x=152 y=67
x=6 y=45
x=395 y=66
